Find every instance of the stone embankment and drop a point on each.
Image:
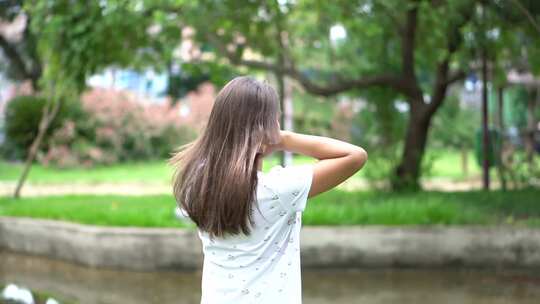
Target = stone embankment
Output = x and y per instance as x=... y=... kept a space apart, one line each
x=321 y=247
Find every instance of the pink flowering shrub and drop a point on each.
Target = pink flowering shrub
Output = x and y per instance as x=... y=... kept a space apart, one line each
x=61 y=156
x=119 y=126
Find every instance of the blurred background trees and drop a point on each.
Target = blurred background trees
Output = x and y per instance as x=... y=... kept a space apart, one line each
x=399 y=77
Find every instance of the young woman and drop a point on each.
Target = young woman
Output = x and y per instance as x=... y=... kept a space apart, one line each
x=248 y=220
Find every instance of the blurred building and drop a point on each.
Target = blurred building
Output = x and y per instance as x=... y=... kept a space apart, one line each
x=470 y=95
x=148 y=83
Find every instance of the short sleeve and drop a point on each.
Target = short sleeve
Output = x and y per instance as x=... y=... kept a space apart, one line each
x=293 y=184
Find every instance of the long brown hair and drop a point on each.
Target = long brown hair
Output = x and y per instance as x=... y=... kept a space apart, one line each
x=215 y=178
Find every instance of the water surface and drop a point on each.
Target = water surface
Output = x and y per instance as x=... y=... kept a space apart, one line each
x=79 y=284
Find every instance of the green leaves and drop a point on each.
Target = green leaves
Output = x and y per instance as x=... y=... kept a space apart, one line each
x=78 y=38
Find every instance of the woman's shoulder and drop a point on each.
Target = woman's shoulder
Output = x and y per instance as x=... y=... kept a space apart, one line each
x=291 y=183
x=284 y=173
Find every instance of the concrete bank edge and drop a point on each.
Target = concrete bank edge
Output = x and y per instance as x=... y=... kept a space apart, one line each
x=321 y=247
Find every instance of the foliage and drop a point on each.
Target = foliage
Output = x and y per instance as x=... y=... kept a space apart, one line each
x=493 y=149
x=454 y=126
x=379 y=127
x=519 y=171
x=407 y=49
x=22 y=61
x=381 y=48
x=118 y=127
x=78 y=38
x=191 y=75
x=511 y=38
x=414 y=49
x=22 y=117
x=312 y=114
x=516 y=100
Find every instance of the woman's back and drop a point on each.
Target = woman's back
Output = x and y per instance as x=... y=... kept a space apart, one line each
x=263 y=267
x=254 y=218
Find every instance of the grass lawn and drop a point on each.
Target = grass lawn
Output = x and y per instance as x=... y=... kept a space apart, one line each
x=447 y=164
x=157 y=172
x=331 y=208
x=148 y=172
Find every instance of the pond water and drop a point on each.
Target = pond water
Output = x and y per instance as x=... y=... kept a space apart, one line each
x=71 y=283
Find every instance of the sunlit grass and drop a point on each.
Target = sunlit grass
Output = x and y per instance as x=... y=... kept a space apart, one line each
x=331 y=208
x=424 y=208
x=147 y=172
x=153 y=172
x=446 y=164
x=104 y=210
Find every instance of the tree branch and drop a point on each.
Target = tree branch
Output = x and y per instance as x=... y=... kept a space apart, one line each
x=527 y=14
x=393 y=19
x=338 y=86
x=15 y=58
x=36 y=67
x=440 y=85
x=442 y=78
x=408 y=45
x=456 y=76
x=408 y=42
x=388 y=80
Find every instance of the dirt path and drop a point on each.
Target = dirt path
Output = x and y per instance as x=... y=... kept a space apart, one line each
x=105 y=188
x=7 y=188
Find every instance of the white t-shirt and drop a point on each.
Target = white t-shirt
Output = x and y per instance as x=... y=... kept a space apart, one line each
x=263 y=267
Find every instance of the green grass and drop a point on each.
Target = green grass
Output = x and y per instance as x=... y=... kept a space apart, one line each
x=447 y=164
x=102 y=210
x=148 y=172
x=331 y=208
x=156 y=172
x=425 y=208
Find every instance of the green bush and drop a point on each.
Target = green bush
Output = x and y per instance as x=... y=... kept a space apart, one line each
x=117 y=127
x=170 y=138
x=103 y=127
x=22 y=117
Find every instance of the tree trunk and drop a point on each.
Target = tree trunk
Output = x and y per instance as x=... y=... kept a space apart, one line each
x=46 y=119
x=285 y=102
x=465 y=161
x=531 y=127
x=500 y=125
x=281 y=93
x=288 y=115
x=485 y=122
x=408 y=171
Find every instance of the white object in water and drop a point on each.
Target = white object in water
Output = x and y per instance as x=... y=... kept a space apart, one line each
x=12 y=292
x=51 y=301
